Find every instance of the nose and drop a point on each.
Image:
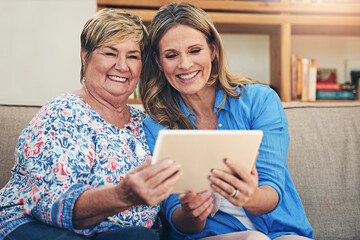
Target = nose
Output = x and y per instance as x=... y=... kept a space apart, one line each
x=121 y=64
x=185 y=62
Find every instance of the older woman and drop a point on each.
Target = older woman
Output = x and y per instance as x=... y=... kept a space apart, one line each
x=80 y=165
x=186 y=85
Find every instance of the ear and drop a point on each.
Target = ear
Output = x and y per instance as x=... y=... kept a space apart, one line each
x=213 y=49
x=83 y=54
x=155 y=56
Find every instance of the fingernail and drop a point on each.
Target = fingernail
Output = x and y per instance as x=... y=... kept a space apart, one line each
x=170 y=161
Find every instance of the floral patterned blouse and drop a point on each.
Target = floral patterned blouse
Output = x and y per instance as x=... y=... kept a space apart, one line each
x=66 y=149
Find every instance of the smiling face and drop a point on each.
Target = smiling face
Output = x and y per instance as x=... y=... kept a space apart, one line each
x=185 y=58
x=112 y=72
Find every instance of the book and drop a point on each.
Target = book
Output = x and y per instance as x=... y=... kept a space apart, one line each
x=305 y=80
x=312 y=80
x=327 y=75
x=335 y=95
x=328 y=86
x=355 y=79
x=294 y=94
x=299 y=77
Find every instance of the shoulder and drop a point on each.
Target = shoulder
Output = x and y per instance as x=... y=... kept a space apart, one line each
x=64 y=102
x=256 y=95
x=136 y=113
x=255 y=91
x=151 y=125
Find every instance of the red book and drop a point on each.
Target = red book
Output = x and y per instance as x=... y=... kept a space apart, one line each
x=326 y=75
x=328 y=86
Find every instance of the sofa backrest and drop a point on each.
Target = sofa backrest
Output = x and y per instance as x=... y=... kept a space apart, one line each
x=13 y=119
x=323 y=158
x=324 y=162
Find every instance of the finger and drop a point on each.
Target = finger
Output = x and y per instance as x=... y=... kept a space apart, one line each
x=197 y=201
x=226 y=181
x=200 y=204
x=186 y=197
x=162 y=175
x=163 y=190
x=237 y=169
x=238 y=201
x=151 y=170
x=203 y=211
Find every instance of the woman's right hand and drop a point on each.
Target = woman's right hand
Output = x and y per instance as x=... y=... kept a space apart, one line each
x=149 y=184
x=195 y=208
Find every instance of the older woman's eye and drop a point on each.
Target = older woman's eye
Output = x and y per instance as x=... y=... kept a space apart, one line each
x=110 y=54
x=134 y=57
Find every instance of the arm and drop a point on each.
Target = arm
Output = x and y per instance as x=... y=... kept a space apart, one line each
x=261 y=190
x=147 y=185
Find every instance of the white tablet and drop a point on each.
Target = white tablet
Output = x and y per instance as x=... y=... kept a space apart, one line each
x=199 y=151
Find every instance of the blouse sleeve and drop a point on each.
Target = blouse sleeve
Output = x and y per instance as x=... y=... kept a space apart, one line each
x=268 y=115
x=55 y=153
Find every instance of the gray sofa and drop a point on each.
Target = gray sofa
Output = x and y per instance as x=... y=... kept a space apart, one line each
x=324 y=160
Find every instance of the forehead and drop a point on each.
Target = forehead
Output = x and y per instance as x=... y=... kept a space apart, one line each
x=181 y=36
x=129 y=44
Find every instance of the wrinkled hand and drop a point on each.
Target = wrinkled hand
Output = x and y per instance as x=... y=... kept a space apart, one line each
x=149 y=184
x=225 y=183
x=196 y=205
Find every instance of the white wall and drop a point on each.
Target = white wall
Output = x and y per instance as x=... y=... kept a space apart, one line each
x=248 y=54
x=40 y=49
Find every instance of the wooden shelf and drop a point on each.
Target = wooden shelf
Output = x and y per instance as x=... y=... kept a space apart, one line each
x=244 y=6
x=280 y=20
x=134 y=101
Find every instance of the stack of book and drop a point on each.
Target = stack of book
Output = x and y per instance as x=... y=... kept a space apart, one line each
x=303 y=78
x=310 y=83
x=327 y=87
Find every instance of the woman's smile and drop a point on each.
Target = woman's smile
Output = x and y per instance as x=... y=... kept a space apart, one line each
x=186 y=77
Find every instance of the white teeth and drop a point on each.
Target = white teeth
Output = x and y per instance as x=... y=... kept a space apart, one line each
x=188 y=76
x=116 y=78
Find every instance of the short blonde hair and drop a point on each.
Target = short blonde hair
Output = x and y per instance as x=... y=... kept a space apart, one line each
x=110 y=27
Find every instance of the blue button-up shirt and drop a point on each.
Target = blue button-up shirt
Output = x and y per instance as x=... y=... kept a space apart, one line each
x=258 y=108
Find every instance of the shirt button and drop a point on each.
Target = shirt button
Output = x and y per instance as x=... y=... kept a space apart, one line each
x=220 y=125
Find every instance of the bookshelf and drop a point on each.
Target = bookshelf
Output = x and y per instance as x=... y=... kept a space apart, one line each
x=281 y=20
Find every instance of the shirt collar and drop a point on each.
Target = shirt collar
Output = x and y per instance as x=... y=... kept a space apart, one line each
x=219 y=98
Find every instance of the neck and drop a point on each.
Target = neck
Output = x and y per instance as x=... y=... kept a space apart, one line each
x=201 y=104
x=117 y=115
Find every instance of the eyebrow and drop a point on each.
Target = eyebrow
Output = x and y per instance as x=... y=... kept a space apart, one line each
x=194 y=45
x=114 y=49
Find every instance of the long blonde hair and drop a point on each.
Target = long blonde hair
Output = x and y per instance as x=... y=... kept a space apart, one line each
x=160 y=99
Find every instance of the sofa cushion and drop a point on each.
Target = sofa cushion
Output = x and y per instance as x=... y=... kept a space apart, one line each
x=13 y=119
x=324 y=161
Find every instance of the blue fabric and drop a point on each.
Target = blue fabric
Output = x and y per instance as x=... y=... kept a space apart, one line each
x=259 y=108
x=36 y=230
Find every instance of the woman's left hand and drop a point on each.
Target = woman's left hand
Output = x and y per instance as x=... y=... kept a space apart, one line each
x=238 y=188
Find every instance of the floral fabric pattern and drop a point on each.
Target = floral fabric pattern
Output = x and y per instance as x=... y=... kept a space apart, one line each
x=66 y=149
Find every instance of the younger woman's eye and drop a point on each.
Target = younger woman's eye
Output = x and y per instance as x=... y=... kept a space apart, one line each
x=195 y=51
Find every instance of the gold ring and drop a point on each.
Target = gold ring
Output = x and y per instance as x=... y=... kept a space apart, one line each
x=234 y=193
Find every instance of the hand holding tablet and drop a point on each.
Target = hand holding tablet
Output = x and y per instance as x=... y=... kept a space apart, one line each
x=199 y=151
